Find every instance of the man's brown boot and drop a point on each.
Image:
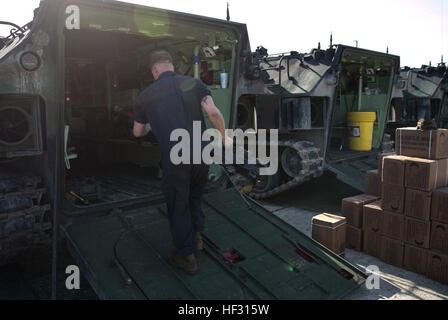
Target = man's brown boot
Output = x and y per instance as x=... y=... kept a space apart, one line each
x=187 y=264
x=199 y=241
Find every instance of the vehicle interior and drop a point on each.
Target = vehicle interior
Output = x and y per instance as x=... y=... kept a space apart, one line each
x=106 y=67
x=408 y=111
x=369 y=93
x=444 y=113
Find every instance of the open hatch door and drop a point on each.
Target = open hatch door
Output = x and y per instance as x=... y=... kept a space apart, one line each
x=444 y=113
x=366 y=83
x=249 y=254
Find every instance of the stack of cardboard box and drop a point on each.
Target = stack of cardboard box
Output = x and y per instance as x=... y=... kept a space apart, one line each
x=353 y=211
x=408 y=227
x=438 y=261
x=426 y=249
x=353 y=207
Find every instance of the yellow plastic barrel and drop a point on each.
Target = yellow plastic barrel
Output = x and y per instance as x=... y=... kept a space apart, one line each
x=360 y=130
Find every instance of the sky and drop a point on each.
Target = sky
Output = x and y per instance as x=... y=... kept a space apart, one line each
x=416 y=30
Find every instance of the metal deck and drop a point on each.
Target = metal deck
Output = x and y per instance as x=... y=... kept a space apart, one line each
x=352 y=171
x=123 y=255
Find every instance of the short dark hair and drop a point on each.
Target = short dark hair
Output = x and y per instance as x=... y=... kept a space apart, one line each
x=160 y=56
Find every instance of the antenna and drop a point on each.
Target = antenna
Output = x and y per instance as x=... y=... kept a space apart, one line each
x=356 y=43
x=228 y=12
x=387 y=50
x=442 y=31
x=331 y=39
x=318 y=46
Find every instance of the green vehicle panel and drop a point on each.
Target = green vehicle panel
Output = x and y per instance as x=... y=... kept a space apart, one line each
x=249 y=254
x=444 y=113
x=74 y=164
x=422 y=88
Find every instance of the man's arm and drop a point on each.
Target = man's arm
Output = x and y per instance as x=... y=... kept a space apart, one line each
x=140 y=129
x=216 y=118
x=141 y=123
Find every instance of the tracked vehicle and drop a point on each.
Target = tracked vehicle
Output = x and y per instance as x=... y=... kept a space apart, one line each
x=67 y=89
x=307 y=97
x=422 y=94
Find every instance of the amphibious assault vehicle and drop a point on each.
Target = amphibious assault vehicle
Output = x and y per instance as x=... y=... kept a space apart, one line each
x=423 y=94
x=68 y=83
x=307 y=98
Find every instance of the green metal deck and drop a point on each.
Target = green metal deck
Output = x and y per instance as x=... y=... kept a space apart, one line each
x=352 y=167
x=278 y=261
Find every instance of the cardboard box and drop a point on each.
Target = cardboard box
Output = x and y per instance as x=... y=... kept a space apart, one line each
x=373 y=217
x=352 y=208
x=380 y=162
x=354 y=238
x=373 y=183
x=394 y=170
x=330 y=231
x=416 y=259
x=417 y=232
x=392 y=251
x=418 y=204
x=426 y=175
x=393 y=226
x=431 y=144
x=439 y=236
x=437 y=266
x=372 y=244
x=393 y=198
x=439 y=205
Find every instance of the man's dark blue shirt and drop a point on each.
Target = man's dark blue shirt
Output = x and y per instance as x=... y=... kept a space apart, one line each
x=172 y=102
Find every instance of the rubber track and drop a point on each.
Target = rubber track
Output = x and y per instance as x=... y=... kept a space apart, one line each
x=312 y=167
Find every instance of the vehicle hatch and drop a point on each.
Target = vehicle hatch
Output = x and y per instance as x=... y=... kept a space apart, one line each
x=249 y=254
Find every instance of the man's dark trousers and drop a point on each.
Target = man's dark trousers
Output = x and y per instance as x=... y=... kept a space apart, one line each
x=183 y=187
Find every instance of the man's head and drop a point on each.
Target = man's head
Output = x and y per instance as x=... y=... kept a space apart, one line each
x=161 y=61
